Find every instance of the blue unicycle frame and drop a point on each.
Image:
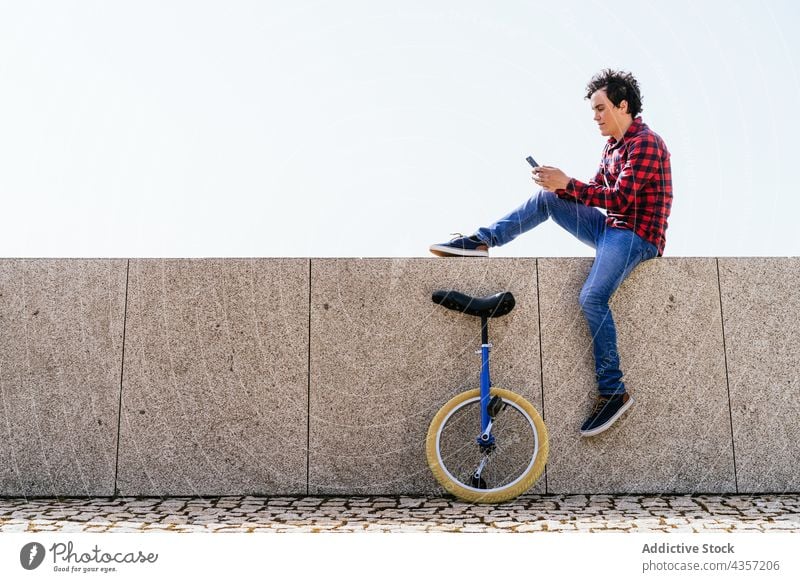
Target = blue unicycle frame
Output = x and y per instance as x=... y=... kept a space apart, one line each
x=486 y=438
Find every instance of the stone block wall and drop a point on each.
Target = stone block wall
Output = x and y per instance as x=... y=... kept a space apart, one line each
x=320 y=376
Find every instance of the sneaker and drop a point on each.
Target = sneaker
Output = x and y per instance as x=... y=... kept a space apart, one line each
x=606 y=411
x=461 y=246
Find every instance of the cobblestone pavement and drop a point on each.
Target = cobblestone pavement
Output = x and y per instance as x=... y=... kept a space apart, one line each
x=529 y=513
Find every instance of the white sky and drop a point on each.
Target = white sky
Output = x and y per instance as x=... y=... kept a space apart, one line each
x=374 y=129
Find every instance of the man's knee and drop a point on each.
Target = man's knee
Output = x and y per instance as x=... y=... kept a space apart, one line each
x=546 y=198
x=591 y=299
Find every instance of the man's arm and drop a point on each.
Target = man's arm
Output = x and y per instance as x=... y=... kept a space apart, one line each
x=556 y=181
x=596 y=181
x=644 y=162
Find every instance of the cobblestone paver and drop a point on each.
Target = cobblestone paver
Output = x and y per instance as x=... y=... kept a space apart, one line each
x=529 y=513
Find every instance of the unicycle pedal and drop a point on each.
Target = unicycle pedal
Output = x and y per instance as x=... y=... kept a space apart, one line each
x=495 y=405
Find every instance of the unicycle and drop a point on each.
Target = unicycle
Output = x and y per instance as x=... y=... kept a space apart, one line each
x=485 y=445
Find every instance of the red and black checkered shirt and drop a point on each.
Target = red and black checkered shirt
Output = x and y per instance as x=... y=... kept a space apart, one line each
x=633 y=184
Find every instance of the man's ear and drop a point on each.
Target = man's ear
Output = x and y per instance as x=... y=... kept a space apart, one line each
x=624 y=103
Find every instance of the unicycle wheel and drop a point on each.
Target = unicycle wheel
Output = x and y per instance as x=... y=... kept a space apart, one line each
x=511 y=467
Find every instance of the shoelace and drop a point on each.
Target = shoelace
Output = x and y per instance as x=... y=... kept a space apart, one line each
x=599 y=405
x=456 y=235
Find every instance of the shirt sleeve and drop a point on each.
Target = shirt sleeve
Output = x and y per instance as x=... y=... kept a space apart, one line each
x=596 y=181
x=642 y=163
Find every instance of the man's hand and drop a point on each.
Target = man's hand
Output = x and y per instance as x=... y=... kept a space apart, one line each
x=550 y=178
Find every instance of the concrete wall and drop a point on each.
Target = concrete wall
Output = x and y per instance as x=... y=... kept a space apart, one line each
x=320 y=376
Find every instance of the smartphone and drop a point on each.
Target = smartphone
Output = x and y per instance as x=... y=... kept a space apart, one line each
x=532 y=162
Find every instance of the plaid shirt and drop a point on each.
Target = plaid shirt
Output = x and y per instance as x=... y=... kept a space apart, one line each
x=634 y=184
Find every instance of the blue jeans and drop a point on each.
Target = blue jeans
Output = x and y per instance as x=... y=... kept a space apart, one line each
x=618 y=252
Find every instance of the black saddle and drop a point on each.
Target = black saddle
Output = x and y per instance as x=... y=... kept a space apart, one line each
x=489 y=306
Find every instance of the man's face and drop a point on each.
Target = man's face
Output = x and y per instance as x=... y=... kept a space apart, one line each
x=609 y=119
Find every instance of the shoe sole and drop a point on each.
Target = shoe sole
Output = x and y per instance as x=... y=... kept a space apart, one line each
x=445 y=251
x=610 y=421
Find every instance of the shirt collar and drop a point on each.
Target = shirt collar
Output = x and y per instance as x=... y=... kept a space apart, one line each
x=634 y=128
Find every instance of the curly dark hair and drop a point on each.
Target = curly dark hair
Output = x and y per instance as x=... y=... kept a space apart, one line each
x=619 y=86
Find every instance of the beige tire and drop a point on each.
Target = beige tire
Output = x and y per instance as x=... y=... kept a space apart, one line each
x=511 y=469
